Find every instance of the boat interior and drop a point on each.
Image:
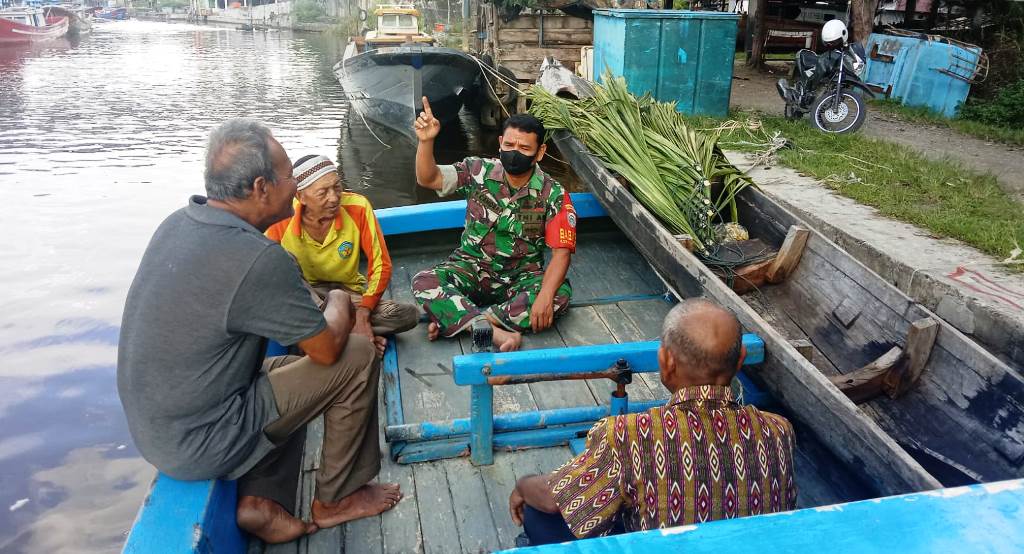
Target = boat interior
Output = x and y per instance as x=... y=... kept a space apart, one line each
x=451 y=505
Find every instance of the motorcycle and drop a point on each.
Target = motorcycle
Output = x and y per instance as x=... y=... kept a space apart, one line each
x=829 y=88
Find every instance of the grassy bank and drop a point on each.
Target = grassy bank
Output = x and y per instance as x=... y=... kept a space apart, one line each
x=942 y=197
x=972 y=128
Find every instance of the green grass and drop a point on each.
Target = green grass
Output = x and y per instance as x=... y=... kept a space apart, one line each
x=967 y=127
x=942 y=197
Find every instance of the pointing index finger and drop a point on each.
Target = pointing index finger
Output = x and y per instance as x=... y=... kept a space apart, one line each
x=426 y=107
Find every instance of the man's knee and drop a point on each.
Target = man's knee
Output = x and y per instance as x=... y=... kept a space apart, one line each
x=356 y=361
x=407 y=315
x=561 y=300
x=426 y=285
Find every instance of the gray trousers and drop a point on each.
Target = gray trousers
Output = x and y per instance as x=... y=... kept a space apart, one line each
x=346 y=394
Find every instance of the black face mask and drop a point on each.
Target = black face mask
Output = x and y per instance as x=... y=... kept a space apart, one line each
x=515 y=162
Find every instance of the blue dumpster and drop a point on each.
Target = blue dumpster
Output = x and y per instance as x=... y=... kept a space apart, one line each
x=927 y=71
x=675 y=55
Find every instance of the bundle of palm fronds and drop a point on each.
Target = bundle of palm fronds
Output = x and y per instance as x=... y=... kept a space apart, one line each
x=670 y=166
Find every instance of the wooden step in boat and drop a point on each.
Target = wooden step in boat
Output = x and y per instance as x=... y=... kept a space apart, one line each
x=452 y=505
x=829 y=323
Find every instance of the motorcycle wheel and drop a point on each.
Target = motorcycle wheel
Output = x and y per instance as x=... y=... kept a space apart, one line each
x=846 y=117
x=792 y=113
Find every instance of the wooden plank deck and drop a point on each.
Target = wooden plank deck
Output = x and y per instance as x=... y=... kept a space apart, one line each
x=452 y=506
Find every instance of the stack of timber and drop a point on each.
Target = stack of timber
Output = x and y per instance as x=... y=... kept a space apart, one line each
x=522 y=43
x=836 y=336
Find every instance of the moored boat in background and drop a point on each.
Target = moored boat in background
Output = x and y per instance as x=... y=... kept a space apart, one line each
x=25 y=24
x=79 y=19
x=386 y=72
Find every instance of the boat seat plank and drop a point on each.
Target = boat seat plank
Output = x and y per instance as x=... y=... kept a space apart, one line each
x=507 y=398
x=473 y=519
x=434 y=504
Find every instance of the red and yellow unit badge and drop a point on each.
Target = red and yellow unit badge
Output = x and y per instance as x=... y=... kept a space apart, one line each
x=560 y=231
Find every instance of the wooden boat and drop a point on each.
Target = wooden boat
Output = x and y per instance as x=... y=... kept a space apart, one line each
x=833 y=324
x=79 y=19
x=387 y=72
x=113 y=14
x=23 y=25
x=843 y=452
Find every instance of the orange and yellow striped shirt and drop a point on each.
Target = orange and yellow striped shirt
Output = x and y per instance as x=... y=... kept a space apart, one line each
x=336 y=259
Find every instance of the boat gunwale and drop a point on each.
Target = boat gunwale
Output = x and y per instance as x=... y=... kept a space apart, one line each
x=788 y=376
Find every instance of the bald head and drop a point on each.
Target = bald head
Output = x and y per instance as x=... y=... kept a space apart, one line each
x=701 y=345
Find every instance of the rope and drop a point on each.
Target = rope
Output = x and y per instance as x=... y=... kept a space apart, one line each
x=386 y=145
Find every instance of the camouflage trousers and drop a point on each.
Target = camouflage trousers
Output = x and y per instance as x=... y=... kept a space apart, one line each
x=456 y=292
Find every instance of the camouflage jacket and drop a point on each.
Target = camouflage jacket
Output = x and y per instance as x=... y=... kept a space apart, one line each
x=507 y=229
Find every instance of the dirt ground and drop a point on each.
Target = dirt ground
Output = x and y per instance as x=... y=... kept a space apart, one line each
x=756 y=90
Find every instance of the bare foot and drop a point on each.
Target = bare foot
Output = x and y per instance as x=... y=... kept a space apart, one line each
x=369 y=500
x=433 y=331
x=506 y=341
x=267 y=520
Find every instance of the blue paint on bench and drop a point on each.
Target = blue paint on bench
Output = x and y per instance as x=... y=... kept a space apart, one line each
x=476 y=370
x=642 y=357
x=980 y=518
x=181 y=517
x=452 y=215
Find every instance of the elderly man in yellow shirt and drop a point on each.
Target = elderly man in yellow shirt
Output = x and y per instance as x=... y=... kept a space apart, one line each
x=330 y=228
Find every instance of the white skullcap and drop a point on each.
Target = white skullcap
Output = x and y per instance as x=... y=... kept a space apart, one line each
x=312 y=169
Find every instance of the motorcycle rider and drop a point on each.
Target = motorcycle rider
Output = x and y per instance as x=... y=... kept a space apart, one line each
x=810 y=67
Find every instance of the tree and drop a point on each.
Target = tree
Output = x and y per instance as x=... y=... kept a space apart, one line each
x=862 y=16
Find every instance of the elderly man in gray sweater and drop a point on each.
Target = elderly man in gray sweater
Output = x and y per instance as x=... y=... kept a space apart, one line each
x=201 y=400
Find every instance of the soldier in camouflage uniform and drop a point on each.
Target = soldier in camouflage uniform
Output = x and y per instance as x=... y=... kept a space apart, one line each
x=513 y=210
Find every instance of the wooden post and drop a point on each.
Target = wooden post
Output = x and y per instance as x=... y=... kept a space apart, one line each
x=756 y=13
x=789 y=254
x=465 y=25
x=908 y=14
x=804 y=347
x=920 y=340
x=897 y=371
x=481 y=421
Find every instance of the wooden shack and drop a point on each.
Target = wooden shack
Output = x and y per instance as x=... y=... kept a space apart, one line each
x=522 y=43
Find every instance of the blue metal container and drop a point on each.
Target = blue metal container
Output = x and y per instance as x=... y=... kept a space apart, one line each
x=922 y=71
x=675 y=55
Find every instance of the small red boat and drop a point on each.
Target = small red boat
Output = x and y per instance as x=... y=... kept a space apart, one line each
x=20 y=25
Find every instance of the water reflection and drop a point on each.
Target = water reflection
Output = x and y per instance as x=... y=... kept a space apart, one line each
x=99 y=141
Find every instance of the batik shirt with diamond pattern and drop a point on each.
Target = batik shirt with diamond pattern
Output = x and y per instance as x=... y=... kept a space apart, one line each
x=701 y=457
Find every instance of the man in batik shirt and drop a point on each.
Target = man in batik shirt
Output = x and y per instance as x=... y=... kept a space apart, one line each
x=702 y=457
x=513 y=211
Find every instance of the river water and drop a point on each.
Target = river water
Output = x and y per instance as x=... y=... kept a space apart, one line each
x=99 y=141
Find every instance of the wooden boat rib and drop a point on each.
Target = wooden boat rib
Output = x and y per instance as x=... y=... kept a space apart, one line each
x=962 y=422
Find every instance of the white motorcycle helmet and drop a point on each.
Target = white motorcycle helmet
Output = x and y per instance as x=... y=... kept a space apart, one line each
x=834 y=33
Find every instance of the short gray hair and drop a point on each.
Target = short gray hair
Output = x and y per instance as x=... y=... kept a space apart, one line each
x=238 y=152
x=680 y=343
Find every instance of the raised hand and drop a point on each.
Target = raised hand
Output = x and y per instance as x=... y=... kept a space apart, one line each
x=426 y=125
